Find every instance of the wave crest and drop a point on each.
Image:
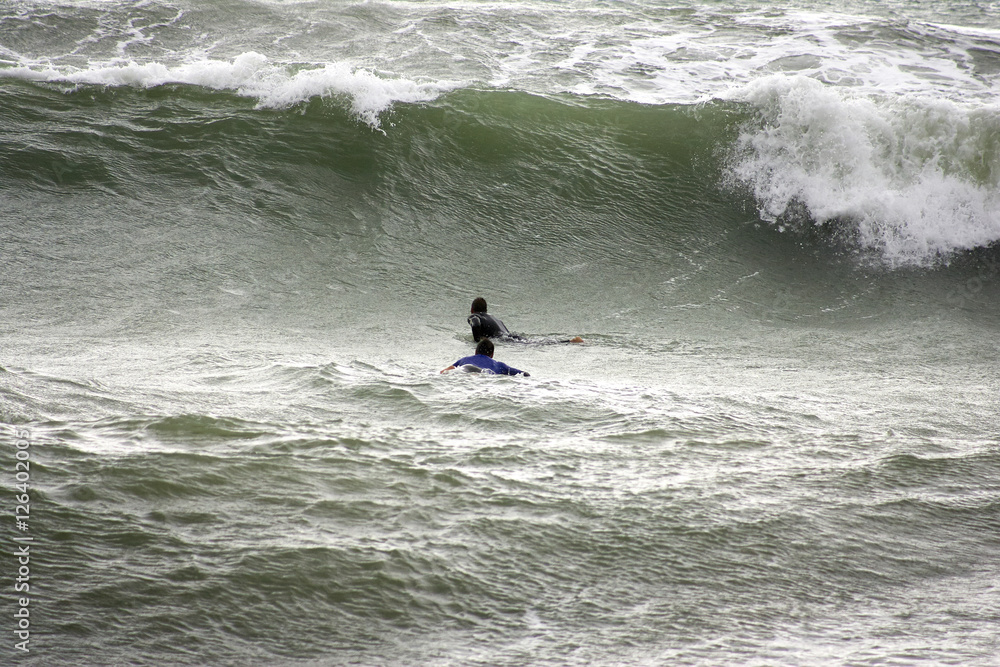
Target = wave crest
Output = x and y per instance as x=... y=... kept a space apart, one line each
x=254 y=75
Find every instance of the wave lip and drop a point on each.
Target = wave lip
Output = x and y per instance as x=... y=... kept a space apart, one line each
x=253 y=75
x=910 y=179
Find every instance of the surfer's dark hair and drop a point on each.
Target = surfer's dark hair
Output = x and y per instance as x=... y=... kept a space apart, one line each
x=479 y=305
x=485 y=346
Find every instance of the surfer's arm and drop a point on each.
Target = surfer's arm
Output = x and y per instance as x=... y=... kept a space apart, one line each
x=445 y=370
x=510 y=370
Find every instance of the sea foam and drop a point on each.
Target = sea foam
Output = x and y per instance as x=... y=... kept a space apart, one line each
x=912 y=179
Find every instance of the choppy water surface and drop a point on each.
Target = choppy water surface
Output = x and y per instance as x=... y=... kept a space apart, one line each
x=240 y=240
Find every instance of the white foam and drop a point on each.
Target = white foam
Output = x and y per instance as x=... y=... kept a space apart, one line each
x=917 y=178
x=649 y=54
x=663 y=57
x=253 y=75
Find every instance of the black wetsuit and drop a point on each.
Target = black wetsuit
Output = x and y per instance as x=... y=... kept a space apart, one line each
x=485 y=325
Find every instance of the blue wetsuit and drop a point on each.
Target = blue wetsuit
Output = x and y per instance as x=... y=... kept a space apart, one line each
x=488 y=364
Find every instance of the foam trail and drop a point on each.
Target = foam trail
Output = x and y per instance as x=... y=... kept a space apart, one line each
x=915 y=179
x=253 y=75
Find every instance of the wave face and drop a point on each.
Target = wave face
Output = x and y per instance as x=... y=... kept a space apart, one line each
x=882 y=129
x=240 y=239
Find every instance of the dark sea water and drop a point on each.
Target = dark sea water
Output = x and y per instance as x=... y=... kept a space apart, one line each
x=238 y=241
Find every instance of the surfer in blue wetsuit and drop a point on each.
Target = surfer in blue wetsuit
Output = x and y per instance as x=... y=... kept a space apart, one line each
x=483 y=359
x=485 y=325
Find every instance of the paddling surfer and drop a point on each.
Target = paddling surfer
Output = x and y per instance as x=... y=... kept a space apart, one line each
x=483 y=360
x=487 y=326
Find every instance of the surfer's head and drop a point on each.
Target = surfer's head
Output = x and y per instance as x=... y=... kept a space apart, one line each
x=485 y=346
x=479 y=305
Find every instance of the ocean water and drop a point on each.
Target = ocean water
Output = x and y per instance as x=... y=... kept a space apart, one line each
x=240 y=239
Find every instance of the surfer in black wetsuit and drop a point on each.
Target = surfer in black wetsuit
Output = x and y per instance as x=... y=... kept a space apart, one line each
x=485 y=325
